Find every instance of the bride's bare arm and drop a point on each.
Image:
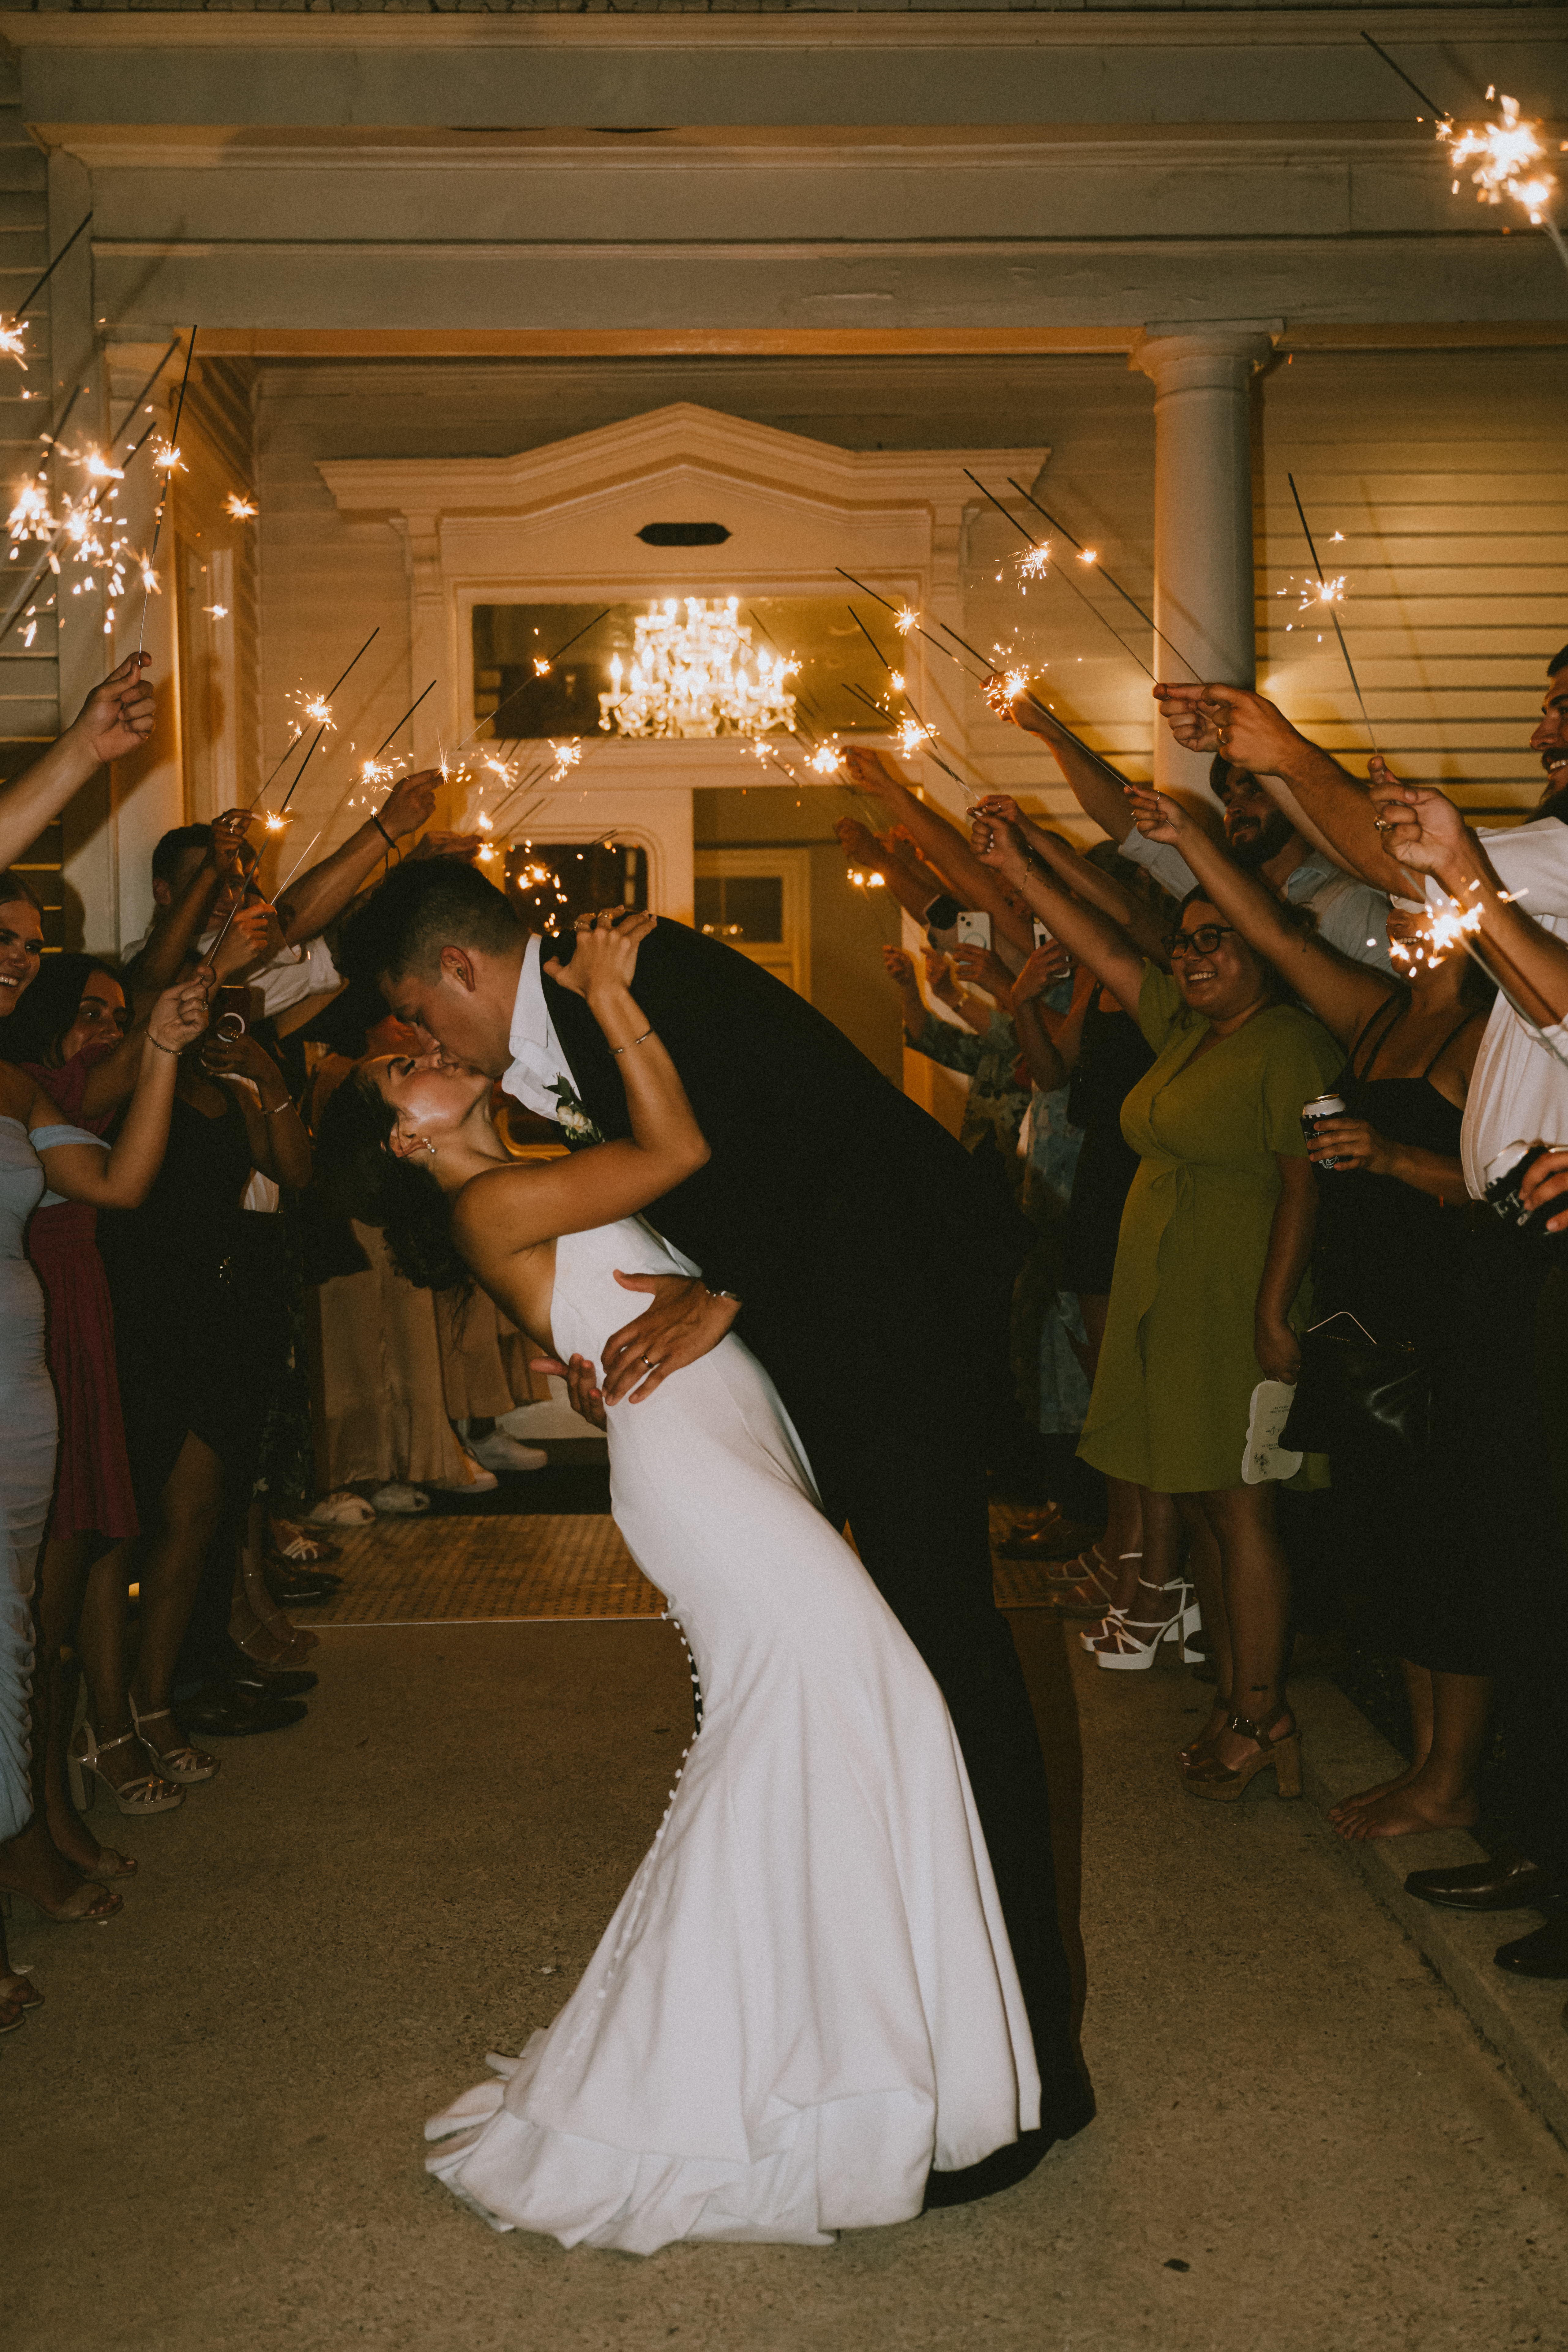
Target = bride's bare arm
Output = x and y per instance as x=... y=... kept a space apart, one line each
x=514 y=1209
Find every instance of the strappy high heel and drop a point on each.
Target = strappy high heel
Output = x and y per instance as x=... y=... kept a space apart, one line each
x=149 y=1793
x=1087 y=1594
x=1125 y=1652
x=186 y=1764
x=1225 y=1783
x=90 y=1907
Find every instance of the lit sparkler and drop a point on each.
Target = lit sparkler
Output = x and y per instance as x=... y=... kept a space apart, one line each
x=323 y=702
x=167 y=459
x=242 y=509
x=1316 y=594
x=1507 y=150
x=905 y=619
x=1044 y=550
x=1322 y=583
x=90 y=537
x=1089 y=555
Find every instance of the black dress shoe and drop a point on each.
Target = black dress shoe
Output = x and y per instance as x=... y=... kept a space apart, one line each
x=311 y=1591
x=1510 y=1884
x=226 y=1710
x=1544 y=1954
x=281 y=1682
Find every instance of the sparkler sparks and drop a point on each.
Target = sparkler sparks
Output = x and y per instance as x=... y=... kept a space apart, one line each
x=1034 y=561
x=242 y=509
x=542 y=667
x=905 y=619
x=167 y=457
x=13 y=342
x=1315 y=593
x=826 y=761
x=1506 y=150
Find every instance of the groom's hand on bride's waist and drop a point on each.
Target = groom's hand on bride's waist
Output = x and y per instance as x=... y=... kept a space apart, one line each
x=684 y=1321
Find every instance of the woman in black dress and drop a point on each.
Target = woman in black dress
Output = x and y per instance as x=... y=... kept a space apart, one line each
x=1395 y=1245
x=196 y=1353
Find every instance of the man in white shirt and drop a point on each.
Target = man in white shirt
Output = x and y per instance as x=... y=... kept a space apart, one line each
x=300 y=963
x=1349 y=914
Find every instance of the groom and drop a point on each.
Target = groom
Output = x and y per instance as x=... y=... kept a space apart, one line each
x=843 y=1234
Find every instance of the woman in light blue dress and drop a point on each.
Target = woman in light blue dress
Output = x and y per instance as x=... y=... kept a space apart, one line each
x=42 y=1159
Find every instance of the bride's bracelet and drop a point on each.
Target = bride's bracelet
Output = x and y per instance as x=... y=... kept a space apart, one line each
x=631 y=1041
x=175 y=1050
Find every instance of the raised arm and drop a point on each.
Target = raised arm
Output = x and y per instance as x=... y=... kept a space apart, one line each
x=1253 y=734
x=1093 y=781
x=122 y=1177
x=319 y=897
x=1083 y=877
x=1343 y=995
x=943 y=846
x=516 y=1209
x=115 y=721
x=280 y=1146
x=1083 y=930
x=1429 y=836
x=1051 y=1042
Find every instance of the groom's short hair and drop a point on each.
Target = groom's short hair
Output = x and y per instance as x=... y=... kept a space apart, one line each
x=435 y=903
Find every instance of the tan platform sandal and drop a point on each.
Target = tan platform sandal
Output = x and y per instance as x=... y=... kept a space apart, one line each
x=1225 y=1783
x=148 y=1793
x=187 y=1764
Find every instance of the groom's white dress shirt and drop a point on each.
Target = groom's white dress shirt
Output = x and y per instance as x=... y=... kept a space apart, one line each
x=537 y=1061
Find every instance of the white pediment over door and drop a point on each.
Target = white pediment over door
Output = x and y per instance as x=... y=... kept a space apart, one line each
x=559 y=524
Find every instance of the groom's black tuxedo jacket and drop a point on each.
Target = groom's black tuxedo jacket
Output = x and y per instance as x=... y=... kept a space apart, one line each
x=853 y=1226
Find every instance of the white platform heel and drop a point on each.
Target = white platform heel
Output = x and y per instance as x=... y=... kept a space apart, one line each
x=1128 y=1645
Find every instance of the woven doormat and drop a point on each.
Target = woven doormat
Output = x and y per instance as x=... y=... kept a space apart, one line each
x=438 y=1571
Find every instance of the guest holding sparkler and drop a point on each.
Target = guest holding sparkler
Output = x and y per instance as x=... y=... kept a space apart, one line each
x=115 y=721
x=1391 y=1240
x=40 y=1148
x=1510 y=1312
x=1224 y=1173
x=194 y=1341
x=1263 y=837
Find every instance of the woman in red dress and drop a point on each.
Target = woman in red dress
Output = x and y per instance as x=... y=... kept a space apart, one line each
x=73 y=1034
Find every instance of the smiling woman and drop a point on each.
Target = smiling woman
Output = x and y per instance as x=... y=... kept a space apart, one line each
x=1211 y=1271
x=21 y=940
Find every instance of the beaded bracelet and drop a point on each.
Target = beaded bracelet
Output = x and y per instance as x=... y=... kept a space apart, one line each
x=631 y=1041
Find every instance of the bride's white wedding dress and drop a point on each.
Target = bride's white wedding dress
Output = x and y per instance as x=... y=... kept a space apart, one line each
x=805 y=1997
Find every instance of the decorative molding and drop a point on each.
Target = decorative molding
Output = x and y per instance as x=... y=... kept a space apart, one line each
x=315 y=344
x=901 y=29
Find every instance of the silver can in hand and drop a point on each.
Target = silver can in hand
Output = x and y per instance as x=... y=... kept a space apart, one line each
x=1313 y=1114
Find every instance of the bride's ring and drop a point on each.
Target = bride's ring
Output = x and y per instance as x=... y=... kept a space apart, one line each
x=649 y=1361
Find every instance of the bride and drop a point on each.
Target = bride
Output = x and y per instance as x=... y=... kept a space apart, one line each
x=805 y=2001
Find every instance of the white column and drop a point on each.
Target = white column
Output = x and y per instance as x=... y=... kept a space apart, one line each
x=1203 y=510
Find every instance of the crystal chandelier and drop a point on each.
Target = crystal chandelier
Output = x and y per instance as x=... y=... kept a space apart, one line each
x=690 y=677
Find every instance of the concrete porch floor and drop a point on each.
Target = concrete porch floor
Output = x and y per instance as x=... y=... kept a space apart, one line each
x=212 y=2132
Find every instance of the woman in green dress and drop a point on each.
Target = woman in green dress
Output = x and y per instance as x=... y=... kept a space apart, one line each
x=1209 y=1293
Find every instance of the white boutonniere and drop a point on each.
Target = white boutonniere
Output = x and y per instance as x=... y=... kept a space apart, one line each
x=572 y=1118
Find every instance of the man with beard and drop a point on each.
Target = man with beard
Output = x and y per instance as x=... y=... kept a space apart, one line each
x=1349 y=914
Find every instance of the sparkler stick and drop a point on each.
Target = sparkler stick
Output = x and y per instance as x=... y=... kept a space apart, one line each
x=1333 y=616
x=921 y=632
x=325 y=703
x=288 y=752
x=1439 y=113
x=862 y=696
x=1077 y=591
x=162 y=503
x=11 y=337
x=1111 y=581
x=402 y=722
x=928 y=734
x=91 y=510
x=491 y=716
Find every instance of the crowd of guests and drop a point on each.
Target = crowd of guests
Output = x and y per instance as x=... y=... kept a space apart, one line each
x=206 y=1363
x=206 y=1367
x=1143 y=1029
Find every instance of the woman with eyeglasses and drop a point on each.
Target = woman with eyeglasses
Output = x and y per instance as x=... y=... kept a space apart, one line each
x=1398 y=1250
x=1207 y=1297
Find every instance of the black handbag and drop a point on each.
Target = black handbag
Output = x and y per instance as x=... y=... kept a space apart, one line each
x=1354 y=1396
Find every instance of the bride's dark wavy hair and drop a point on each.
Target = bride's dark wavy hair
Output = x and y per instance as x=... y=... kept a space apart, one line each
x=356 y=1164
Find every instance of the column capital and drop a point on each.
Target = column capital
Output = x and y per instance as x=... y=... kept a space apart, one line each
x=1189 y=354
